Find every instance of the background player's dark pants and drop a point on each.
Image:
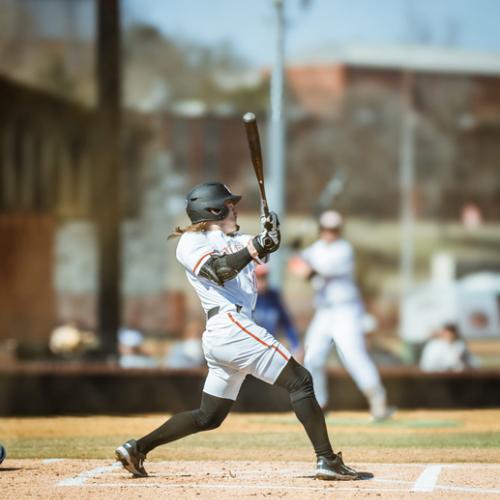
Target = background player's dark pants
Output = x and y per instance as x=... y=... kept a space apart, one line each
x=213 y=410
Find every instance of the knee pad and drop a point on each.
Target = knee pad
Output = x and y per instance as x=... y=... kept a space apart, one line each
x=207 y=421
x=303 y=386
x=296 y=380
x=212 y=412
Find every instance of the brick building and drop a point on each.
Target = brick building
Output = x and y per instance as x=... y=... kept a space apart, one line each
x=455 y=94
x=319 y=80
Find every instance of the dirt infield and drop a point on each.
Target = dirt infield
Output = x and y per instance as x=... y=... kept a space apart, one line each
x=245 y=479
x=431 y=453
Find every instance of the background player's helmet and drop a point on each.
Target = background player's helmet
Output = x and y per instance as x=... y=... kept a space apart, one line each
x=207 y=201
x=330 y=220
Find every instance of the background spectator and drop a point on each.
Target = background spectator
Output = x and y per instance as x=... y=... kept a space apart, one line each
x=70 y=341
x=132 y=354
x=187 y=352
x=446 y=351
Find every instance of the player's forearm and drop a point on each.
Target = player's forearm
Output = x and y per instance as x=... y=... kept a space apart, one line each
x=239 y=260
x=222 y=268
x=252 y=250
x=301 y=268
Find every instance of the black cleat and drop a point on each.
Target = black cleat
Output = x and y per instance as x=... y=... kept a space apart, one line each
x=131 y=458
x=335 y=469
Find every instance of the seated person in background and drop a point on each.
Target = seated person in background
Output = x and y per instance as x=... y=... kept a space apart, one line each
x=446 y=351
x=187 y=352
x=270 y=311
x=130 y=348
x=70 y=341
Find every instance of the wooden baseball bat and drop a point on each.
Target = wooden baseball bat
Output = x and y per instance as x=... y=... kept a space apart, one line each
x=252 y=131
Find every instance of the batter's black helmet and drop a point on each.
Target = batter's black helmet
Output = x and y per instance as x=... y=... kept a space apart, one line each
x=207 y=201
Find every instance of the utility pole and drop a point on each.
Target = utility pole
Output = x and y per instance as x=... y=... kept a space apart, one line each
x=107 y=185
x=407 y=186
x=277 y=137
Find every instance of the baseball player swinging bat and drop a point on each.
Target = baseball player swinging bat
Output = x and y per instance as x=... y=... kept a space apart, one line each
x=220 y=265
x=256 y=155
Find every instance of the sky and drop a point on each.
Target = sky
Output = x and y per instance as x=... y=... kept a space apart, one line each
x=249 y=24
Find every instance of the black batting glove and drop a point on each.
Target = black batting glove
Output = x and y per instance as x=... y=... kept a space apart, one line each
x=269 y=239
x=271 y=222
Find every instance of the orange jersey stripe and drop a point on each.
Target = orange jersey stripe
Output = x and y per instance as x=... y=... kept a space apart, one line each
x=239 y=325
x=199 y=262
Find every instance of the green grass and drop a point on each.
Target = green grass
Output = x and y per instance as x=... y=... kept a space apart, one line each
x=366 y=423
x=102 y=447
x=412 y=436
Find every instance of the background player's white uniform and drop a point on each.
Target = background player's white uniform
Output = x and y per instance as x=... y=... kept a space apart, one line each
x=338 y=319
x=234 y=346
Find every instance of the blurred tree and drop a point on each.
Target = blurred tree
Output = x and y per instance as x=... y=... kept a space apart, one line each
x=53 y=75
x=161 y=72
x=16 y=25
x=63 y=65
x=362 y=141
x=447 y=104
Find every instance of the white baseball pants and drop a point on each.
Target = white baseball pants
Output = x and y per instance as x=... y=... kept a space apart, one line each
x=339 y=325
x=234 y=347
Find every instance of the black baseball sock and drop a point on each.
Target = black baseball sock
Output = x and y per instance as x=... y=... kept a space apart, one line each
x=210 y=415
x=298 y=382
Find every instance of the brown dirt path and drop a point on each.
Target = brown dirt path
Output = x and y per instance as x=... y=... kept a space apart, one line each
x=100 y=479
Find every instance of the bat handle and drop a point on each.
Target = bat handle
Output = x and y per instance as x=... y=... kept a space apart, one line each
x=265 y=213
x=265 y=207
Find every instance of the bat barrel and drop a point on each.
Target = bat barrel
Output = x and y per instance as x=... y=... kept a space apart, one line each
x=249 y=117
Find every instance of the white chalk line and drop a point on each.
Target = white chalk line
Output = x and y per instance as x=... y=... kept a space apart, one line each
x=52 y=460
x=440 y=487
x=428 y=478
x=326 y=487
x=83 y=476
x=334 y=485
x=468 y=489
x=425 y=482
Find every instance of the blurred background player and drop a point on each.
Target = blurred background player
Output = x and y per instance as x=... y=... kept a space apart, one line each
x=131 y=349
x=270 y=311
x=329 y=265
x=188 y=351
x=446 y=351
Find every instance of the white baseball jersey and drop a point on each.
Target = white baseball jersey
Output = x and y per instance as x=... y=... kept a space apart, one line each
x=334 y=264
x=233 y=345
x=194 y=249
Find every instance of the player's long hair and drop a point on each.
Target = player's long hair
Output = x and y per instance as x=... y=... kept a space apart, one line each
x=198 y=227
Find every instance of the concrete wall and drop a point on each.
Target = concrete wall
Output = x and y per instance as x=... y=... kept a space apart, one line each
x=151 y=280
x=94 y=389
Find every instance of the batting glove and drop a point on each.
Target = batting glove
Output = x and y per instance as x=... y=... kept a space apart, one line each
x=271 y=222
x=268 y=241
